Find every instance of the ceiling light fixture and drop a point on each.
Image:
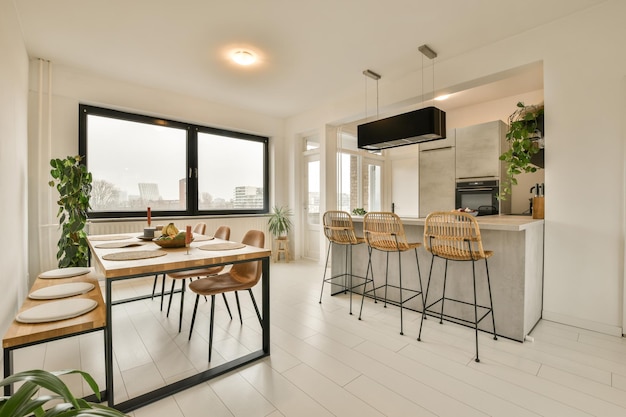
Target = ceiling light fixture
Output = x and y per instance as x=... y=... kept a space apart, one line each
x=243 y=57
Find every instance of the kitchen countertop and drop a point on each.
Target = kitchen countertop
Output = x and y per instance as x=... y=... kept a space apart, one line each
x=505 y=222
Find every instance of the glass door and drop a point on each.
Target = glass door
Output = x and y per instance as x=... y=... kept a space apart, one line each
x=311 y=206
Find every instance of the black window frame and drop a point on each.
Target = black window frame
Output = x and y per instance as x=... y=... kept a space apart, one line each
x=84 y=110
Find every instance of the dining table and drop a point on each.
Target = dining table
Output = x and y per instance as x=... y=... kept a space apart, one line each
x=128 y=256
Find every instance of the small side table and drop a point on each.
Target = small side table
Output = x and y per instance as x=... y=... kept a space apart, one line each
x=281 y=245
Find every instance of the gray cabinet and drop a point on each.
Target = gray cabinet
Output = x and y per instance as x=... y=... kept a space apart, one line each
x=478 y=149
x=436 y=180
x=440 y=143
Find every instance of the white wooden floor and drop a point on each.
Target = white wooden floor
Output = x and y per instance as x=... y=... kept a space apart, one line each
x=325 y=362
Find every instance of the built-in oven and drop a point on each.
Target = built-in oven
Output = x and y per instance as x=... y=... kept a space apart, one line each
x=481 y=195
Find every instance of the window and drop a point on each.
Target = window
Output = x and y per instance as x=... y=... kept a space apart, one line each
x=359 y=176
x=173 y=167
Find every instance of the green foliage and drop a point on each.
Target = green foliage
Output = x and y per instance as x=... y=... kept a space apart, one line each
x=279 y=223
x=359 y=212
x=25 y=403
x=73 y=182
x=523 y=125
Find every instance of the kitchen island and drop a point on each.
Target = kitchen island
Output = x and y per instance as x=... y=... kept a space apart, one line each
x=516 y=271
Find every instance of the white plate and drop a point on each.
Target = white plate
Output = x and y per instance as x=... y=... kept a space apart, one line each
x=57 y=310
x=72 y=271
x=61 y=291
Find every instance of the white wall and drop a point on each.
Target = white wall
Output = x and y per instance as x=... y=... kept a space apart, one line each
x=13 y=164
x=69 y=88
x=584 y=65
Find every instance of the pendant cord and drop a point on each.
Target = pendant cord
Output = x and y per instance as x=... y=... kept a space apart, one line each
x=433 y=97
x=422 y=92
x=377 y=99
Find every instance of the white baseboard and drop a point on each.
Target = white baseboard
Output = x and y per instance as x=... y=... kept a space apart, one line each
x=582 y=323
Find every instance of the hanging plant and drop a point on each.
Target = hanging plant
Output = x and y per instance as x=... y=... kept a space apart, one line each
x=524 y=136
x=73 y=182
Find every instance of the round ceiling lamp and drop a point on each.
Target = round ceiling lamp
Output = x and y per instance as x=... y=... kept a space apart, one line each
x=243 y=57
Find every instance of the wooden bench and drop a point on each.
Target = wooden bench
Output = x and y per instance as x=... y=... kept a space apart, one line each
x=20 y=335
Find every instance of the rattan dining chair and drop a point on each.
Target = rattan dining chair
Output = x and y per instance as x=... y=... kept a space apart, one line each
x=242 y=276
x=222 y=232
x=384 y=232
x=455 y=236
x=339 y=230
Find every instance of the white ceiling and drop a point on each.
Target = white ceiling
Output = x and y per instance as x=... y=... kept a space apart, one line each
x=310 y=51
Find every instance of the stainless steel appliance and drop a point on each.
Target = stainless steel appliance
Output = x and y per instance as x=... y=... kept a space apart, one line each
x=478 y=195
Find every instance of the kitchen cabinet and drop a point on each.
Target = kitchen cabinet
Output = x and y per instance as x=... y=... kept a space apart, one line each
x=478 y=150
x=516 y=271
x=436 y=180
x=448 y=142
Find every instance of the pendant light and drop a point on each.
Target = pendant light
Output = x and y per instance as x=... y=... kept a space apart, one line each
x=418 y=126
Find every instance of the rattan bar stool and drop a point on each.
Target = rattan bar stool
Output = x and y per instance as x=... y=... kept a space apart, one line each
x=455 y=236
x=384 y=232
x=339 y=230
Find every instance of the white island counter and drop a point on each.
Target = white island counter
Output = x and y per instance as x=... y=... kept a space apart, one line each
x=516 y=271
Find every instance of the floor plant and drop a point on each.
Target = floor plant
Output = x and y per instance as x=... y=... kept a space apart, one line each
x=73 y=182
x=27 y=401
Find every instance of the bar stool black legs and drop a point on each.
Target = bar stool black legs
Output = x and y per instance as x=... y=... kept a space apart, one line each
x=456 y=237
x=385 y=232
x=339 y=230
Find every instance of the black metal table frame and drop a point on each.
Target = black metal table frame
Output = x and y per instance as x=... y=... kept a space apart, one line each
x=8 y=358
x=175 y=387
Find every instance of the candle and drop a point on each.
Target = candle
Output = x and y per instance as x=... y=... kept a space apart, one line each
x=188 y=235
x=149 y=216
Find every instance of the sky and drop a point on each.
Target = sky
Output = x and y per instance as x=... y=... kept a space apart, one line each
x=127 y=153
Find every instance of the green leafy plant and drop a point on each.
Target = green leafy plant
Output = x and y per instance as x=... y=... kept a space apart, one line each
x=522 y=136
x=73 y=182
x=359 y=211
x=25 y=402
x=279 y=223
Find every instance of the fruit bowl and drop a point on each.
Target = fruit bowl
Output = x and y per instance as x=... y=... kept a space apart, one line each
x=468 y=211
x=170 y=243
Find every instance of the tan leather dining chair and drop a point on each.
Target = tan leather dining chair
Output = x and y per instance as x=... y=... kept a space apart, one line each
x=199 y=228
x=222 y=232
x=455 y=236
x=242 y=276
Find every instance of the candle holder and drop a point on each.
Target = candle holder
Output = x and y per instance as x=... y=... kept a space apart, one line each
x=188 y=238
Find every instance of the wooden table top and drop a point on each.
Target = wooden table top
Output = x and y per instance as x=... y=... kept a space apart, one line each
x=26 y=333
x=175 y=259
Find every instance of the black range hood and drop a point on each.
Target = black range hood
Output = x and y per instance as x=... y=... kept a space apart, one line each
x=418 y=126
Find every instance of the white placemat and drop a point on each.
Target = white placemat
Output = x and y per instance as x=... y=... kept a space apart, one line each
x=117 y=245
x=134 y=255
x=72 y=271
x=57 y=310
x=61 y=291
x=108 y=237
x=223 y=246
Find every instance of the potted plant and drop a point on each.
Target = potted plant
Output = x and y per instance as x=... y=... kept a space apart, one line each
x=524 y=136
x=73 y=182
x=25 y=402
x=279 y=223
